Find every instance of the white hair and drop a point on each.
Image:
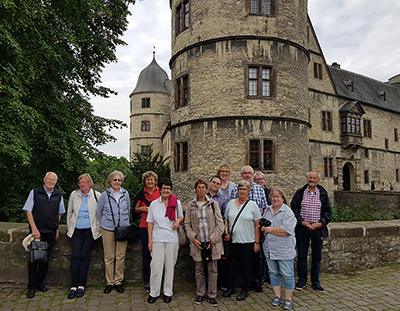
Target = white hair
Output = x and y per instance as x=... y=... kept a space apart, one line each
x=45 y=176
x=247 y=166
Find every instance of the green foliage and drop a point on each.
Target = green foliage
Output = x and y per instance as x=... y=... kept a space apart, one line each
x=52 y=55
x=145 y=161
x=366 y=212
x=142 y=162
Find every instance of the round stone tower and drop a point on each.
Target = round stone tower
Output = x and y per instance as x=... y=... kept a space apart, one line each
x=240 y=89
x=150 y=109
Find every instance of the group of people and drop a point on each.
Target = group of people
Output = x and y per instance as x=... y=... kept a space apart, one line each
x=228 y=225
x=383 y=187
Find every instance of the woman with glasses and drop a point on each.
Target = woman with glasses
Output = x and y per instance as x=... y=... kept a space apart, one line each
x=83 y=229
x=163 y=219
x=279 y=247
x=114 y=210
x=224 y=172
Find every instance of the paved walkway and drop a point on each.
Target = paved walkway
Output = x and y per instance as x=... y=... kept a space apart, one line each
x=375 y=289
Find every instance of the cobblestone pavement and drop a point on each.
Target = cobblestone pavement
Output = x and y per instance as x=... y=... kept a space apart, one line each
x=375 y=289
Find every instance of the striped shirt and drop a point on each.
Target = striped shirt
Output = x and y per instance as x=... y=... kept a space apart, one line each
x=203 y=225
x=311 y=206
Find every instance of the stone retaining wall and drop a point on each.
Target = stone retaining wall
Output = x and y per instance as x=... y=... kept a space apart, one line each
x=351 y=246
x=388 y=202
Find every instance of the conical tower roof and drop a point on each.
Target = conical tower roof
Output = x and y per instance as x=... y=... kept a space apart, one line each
x=153 y=79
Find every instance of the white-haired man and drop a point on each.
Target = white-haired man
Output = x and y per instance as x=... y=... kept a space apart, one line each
x=312 y=208
x=44 y=208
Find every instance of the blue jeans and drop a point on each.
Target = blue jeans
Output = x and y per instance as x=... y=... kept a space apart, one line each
x=303 y=237
x=281 y=268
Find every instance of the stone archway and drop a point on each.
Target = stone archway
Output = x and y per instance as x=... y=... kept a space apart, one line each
x=349 y=177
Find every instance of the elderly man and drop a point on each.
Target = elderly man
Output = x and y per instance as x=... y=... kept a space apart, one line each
x=257 y=195
x=313 y=211
x=44 y=208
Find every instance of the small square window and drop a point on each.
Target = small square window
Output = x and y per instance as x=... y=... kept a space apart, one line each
x=145 y=102
x=145 y=126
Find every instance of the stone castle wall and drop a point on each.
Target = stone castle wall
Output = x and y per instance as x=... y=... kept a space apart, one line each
x=158 y=114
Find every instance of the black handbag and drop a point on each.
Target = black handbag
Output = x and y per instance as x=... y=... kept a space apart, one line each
x=121 y=233
x=38 y=251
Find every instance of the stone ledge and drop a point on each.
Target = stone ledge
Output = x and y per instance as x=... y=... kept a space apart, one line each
x=350 y=247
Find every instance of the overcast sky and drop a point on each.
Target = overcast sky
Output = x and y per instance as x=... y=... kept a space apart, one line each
x=361 y=35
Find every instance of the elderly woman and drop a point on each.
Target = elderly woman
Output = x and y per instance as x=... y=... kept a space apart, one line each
x=113 y=210
x=83 y=229
x=204 y=227
x=224 y=172
x=163 y=219
x=143 y=200
x=243 y=217
x=279 y=247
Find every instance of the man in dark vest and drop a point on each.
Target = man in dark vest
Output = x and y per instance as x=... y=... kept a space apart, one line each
x=44 y=208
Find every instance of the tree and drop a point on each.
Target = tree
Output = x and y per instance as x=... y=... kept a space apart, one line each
x=52 y=55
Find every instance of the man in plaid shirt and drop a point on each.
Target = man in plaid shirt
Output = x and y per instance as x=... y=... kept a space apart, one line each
x=313 y=211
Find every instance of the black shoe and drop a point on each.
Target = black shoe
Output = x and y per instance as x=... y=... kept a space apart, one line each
x=299 y=286
x=146 y=288
x=199 y=300
x=30 y=293
x=229 y=292
x=42 y=288
x=256 y=286
x=213 y=302
x=72 y=294
x=167 y=299
x=151 y=299
x=119 y=288
x=318 y=287
x=80 y=292
x=242 y=296
x=108 y=289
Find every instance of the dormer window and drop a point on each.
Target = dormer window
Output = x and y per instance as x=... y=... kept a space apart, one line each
x=350 y=85
x=382 y=95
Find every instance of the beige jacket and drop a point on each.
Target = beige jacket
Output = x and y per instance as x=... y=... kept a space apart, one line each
x=215 y=229
x=74 y=205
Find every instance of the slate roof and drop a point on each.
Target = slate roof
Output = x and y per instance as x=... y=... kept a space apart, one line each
x=153 y=79
x=366 y=90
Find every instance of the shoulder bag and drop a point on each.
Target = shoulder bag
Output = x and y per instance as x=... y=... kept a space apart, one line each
x=228 y=244
x=121 y=233
x=183 y=239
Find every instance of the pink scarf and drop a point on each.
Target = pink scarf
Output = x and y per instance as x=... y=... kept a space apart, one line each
x=171 y=207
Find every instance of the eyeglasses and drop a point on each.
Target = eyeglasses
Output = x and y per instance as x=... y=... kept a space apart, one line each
x=215 y=182
x=258 y=179
x=119 y=180
x=247 y=173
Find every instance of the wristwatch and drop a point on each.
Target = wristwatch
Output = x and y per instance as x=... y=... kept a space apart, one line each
x=258 y=243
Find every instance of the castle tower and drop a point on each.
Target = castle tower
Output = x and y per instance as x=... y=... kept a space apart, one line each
x=150 y=109
x=239 y=71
